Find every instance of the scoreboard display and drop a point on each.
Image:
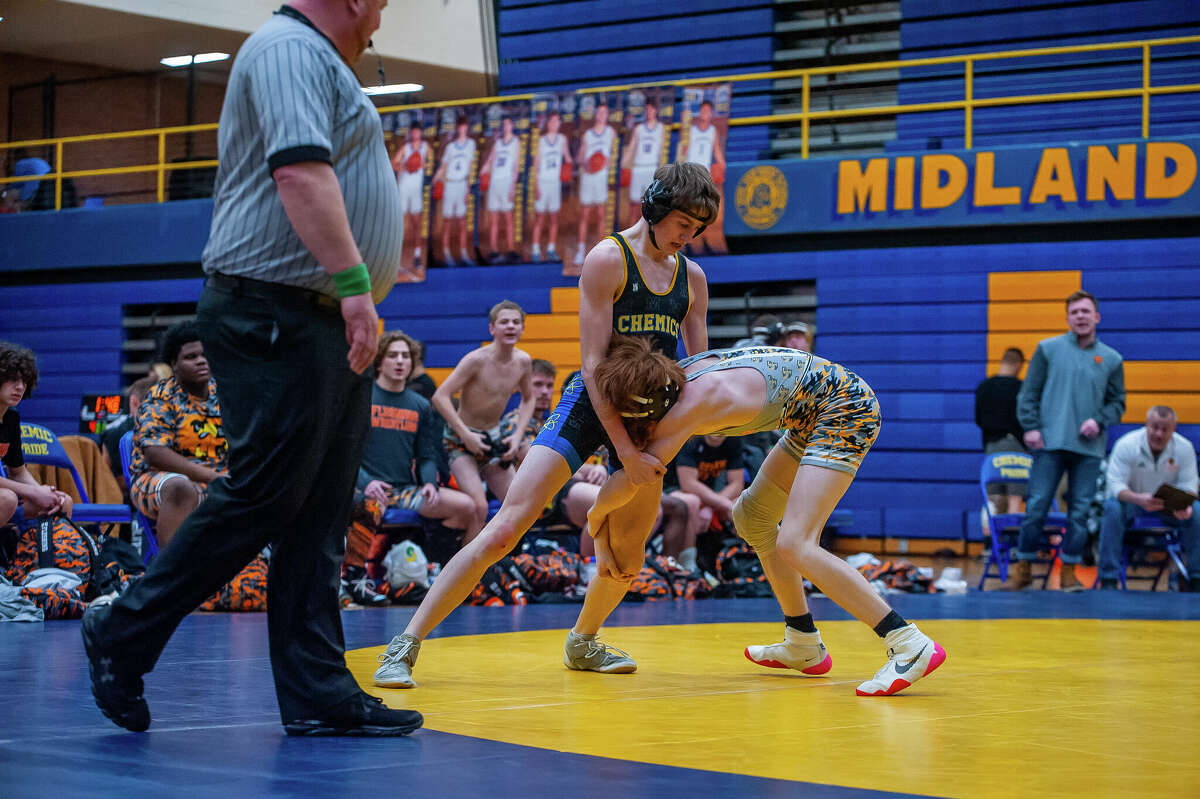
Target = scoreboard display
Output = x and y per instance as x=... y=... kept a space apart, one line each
x=100 y=411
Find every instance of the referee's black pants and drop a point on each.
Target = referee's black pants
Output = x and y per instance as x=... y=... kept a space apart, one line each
x=296 y=419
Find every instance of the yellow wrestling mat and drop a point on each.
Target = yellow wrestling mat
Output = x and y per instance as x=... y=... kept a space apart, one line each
x=1021 y=707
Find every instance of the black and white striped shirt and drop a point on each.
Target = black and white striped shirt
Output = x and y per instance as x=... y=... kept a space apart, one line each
x=291 y=99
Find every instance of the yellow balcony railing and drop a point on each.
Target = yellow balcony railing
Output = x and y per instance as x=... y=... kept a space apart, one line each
x=804 y=117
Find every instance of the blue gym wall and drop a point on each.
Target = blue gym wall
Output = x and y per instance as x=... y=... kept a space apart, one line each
x=912 y=320
x=550 y=46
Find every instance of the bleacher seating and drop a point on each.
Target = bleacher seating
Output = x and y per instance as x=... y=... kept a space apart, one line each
x=931 y=29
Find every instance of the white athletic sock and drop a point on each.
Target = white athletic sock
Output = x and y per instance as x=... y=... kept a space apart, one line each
x=687 y=559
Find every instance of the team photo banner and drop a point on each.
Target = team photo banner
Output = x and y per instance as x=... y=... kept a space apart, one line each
x=994 y=186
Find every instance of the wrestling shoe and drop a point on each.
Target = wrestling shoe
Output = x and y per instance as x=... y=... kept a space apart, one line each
x=911 y=655
x=803 y=652
x=397 y=663
x=586 y=653
x=361 y=588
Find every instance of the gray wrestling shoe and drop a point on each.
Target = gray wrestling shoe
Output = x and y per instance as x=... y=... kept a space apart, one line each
x=397 y=663
x=586 y=653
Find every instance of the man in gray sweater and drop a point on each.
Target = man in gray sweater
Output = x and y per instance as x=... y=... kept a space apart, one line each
x=1074 y=389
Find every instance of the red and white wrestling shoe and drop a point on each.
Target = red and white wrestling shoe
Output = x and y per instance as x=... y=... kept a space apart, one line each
x=803 y=652
x=911 y=655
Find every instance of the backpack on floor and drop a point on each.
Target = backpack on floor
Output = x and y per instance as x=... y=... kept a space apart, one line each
x=499 y=586
x=56 y=563
x=408 y=592
x=648 y=586
x=740 y=573
x=549 y=573
x=683 y=584
x=55 y=542
x=245 y=593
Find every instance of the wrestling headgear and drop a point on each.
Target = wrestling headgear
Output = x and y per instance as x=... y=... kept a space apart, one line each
x=658 y=201
x=655 y=406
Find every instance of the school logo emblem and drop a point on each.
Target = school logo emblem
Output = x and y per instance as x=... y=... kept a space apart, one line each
x=761 y=197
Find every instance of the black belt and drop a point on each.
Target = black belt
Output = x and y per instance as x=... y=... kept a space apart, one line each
x=249 y=287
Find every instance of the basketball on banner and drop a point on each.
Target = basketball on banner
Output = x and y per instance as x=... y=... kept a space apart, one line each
x=761 y=197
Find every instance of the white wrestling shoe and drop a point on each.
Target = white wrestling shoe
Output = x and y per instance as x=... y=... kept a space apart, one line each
x=911 y=655
x=804 y=652
x=586 y=653
x=397 y=663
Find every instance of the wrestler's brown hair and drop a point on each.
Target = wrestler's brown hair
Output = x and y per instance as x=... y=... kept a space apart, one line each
x=631 y=367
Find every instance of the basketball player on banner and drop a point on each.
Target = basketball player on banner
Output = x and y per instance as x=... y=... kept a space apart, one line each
x=596 y=148
x=411 y=163
x=498 y=182
x=552 y=167
x=644 y=153
x=451 y=187
x=704 y=127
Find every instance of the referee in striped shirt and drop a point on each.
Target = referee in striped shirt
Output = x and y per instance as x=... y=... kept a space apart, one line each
x=294 y=265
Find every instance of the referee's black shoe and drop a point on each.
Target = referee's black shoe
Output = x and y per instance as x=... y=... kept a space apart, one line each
x=117 y=690
x=360 y=715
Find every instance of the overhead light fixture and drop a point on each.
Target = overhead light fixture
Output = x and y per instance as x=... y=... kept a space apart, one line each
x=392 y=88
x=188 y=60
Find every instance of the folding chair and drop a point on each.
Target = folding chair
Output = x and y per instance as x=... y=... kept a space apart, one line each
x=39 y=445
x=149 y=539
x=1149 y=533
x=1005 y=528
x=403 y=517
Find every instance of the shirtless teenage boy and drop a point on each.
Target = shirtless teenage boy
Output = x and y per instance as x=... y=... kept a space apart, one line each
x=478 y=449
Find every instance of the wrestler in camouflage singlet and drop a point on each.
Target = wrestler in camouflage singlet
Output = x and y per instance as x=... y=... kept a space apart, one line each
x=830 y=414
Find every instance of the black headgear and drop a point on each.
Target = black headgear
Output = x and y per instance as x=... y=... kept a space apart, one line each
x=656 y=405
x=657 y=201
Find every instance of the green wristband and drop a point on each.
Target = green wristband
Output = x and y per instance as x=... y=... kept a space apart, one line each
x=352 y=281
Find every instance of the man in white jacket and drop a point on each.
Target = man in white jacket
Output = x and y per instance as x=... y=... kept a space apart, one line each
x=1141 y=462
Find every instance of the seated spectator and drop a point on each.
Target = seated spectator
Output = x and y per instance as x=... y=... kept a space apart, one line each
x=797 y=336
x=399 y=468
x=542 y=380
x=765 y=331
x=179 y=446
x=38 y=195
x=110 y=441
x=710 y=473
x=486 y=378
x=419 y=381
x=1141 y=462
x=996 y=416
x=18 y=379
x=30 y=166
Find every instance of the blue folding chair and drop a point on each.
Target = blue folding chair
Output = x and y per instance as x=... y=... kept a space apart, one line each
x=1148 y=534
x=1013 y=467
x=149 y=539
x=403 y=517
x=39 y=445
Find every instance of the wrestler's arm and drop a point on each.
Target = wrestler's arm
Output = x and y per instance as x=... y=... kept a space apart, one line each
x=670 y=435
